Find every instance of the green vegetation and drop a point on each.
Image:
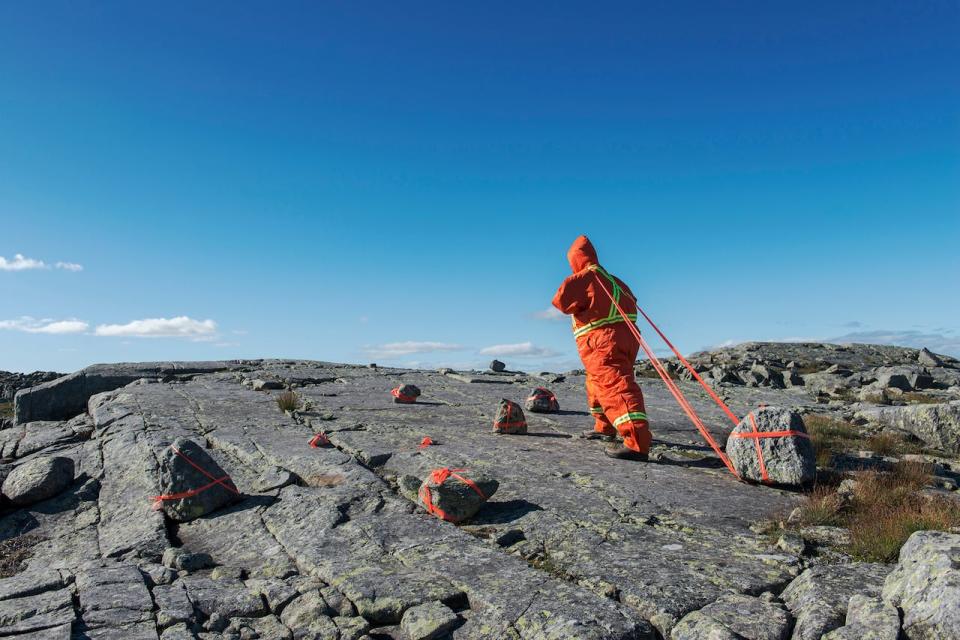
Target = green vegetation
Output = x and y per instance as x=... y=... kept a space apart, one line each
x=288 y=401
x=6 y=409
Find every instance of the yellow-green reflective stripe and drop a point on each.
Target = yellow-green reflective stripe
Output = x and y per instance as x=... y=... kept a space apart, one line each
x=596 y=410
x=579 y=331
x=630 y=417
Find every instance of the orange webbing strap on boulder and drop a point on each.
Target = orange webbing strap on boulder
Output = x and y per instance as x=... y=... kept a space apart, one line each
x=439 y=476
x=672 y=387
x=757 y=435
x=226 y=482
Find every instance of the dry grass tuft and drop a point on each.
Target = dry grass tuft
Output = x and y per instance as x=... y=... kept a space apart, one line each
x=885 y=508
x=830 y=436
x=14 y=553
x=288 y=401
x=889 y=444
x=6 y=409
x=915 y=397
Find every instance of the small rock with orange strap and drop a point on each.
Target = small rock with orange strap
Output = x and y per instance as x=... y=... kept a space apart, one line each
x=405 y=394
x=509 y=418
x=771 y=445
x=542 y=400
x=452 y=495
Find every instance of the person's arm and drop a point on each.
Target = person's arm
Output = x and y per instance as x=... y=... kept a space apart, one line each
x=574 y=295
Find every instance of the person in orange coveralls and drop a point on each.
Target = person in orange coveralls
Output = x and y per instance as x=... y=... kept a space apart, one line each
x=608 y=350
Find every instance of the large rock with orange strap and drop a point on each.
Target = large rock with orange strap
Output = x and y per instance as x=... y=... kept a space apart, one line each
x=455 y=495
x=192 y=484
x=771 y=445
x=509 y=418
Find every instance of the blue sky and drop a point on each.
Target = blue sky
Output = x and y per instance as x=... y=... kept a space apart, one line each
x=400 y=182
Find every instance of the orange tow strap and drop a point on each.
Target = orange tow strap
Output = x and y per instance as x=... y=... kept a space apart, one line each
x=224 y=482
x=439 y=476
x=671 y=385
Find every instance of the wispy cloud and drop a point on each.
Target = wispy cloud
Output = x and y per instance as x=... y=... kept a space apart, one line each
x=178 y=327
x=23 y=263
x=550 y=313
x=946 y=342
x=520 y=349
x=28 y=324
x=396 y=349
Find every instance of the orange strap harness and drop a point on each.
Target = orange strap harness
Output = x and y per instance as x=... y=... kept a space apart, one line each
x=682 y=400
x=224 y=482
x=439 y=476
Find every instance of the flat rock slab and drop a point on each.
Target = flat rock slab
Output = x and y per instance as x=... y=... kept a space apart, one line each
x=572 y=545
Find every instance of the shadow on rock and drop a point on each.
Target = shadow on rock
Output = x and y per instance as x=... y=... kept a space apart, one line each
x=504 y=512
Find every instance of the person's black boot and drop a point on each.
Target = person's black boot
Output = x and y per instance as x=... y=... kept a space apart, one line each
x=621 y=452
x=593 y=434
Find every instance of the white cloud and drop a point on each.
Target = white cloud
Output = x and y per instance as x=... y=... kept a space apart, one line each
x=520 y=349
x=179 y=327
x=944 y=342
x=20 y=263
x=395 y=349
x=55 y=327
x=550 y=313
x=23 y=263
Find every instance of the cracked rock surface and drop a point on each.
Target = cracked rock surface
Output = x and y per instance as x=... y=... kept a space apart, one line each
x=330 y=542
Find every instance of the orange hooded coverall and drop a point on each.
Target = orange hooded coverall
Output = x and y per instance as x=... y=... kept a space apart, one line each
x=607 y=347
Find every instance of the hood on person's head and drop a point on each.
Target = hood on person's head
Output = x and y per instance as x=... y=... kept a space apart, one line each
x=581 y=254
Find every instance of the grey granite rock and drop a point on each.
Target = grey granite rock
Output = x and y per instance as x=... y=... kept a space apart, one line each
x=542 y=400
x=497 y=366
x=449 y=496
x=789 y=460
x=509 y=418
x=937 y=425
x=38 y=479
x=868 y=619
x=925 y=585
x=735 y=616
x=227 y=598
x=196 y=483
x=428 y=621
x=182 y=560
x=818 y=597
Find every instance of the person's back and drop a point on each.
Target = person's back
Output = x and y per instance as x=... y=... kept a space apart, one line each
x=607 y=348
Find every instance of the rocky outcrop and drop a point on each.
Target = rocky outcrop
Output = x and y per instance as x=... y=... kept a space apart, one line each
x=11 y=382
x=868 y=619
x=936 y=425
x=65 y=397
x=735 y=617
x=782 y=459
x=818 y=599
x=925 y=585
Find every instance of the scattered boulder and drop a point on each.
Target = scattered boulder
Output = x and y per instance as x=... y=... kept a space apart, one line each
x=925 y=585
x=542 y=400
x=406 y=394
x=498 y=366
x=266 y=385
x=509 y=418
x=455 y=496
x=182 y=560
x=428 y=621
x=928 y=358
x=192 y=482
x=735 y=616
x=788 y=459
x=818 y=597
x=937 y=425
x=38 y=479
x=895 y=378
x=868 y=619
